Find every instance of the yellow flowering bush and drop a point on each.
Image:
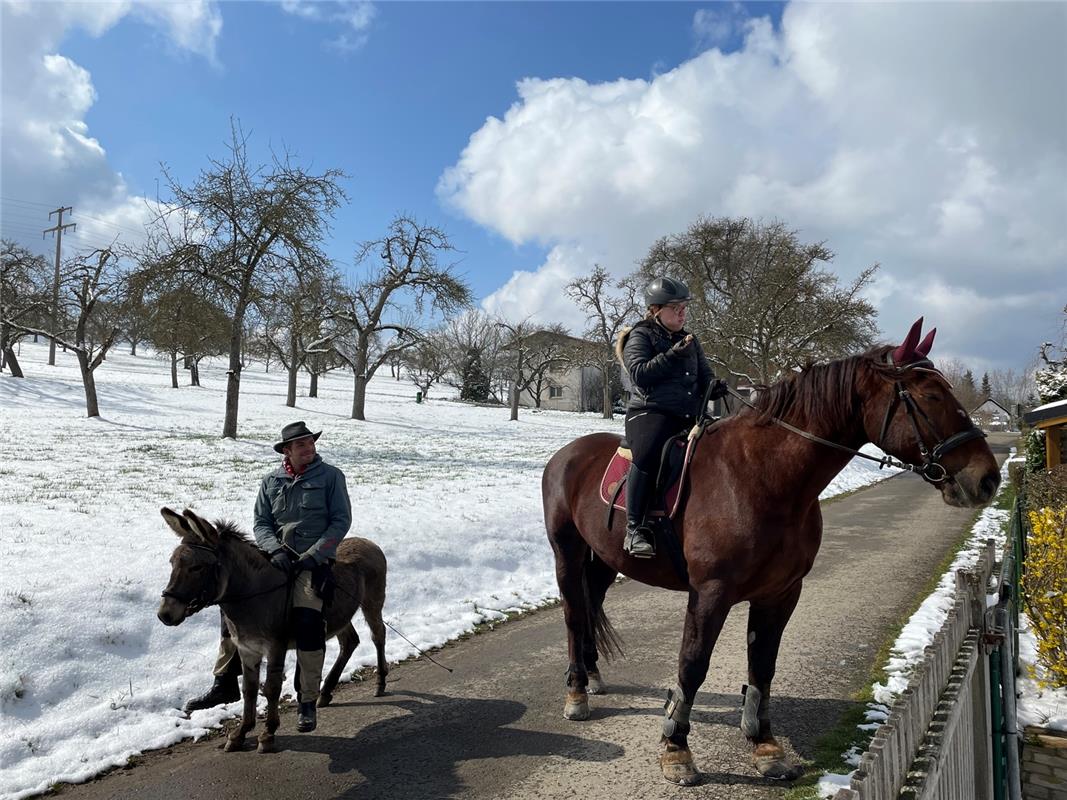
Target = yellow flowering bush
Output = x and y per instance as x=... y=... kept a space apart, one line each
x=1045 y=590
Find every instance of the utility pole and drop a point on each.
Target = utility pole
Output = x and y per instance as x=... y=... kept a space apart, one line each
x=58 y=231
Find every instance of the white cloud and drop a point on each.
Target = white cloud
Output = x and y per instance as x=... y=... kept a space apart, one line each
x=931 y=138
x=49 y=155
x=715 y=27
x=354 y=17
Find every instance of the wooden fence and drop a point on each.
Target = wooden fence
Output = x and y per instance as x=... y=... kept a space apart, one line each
x=936 y=743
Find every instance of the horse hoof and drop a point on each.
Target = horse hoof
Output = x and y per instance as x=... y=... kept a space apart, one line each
x=325 y=699
x=770 y=761
x=596 y=684
x=233 y=745
x=266 y=745
x=577 y=706
x=678 y=767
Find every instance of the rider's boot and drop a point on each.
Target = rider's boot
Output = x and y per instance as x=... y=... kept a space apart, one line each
x=640 y=540
x=226 y=688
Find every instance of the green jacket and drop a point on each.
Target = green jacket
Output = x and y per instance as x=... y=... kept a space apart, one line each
x=310 y=513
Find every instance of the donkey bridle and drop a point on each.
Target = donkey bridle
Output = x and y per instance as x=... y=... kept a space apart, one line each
x=194 y=603
x=931 y=470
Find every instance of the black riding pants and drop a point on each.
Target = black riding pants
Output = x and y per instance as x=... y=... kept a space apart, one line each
x=647 y=432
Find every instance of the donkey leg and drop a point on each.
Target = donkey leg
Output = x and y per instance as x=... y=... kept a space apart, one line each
x=250 y=689
x=349 y=641
x=766 y=623
x=705 y=615
x=372 y=613
x=599 y=577
x=272 y=690
x=571 y=552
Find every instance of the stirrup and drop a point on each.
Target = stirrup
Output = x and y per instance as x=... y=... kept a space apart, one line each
x=640 y=542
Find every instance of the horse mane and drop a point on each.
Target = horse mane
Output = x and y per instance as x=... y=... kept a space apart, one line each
x=819 y=393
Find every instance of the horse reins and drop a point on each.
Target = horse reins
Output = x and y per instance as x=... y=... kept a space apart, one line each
x=931 y=470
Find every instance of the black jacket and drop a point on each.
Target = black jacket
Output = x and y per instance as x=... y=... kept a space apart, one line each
x=663 y=379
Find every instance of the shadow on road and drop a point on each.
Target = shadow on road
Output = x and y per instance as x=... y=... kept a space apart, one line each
x=418 y=754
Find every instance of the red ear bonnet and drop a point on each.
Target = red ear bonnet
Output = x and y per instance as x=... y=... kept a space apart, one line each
x=905 y=354
x=924 y=348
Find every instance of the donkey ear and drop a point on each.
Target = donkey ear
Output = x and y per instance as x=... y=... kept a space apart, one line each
x=904 y=354
x=202 y=528
x=175 y=521
x=924 y=348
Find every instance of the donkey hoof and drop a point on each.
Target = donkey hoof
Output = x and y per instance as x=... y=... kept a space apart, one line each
x=678 y=767
x=380 y=691
x=325 y=698
x=596 y=684
x=234 y=745
x=770 y=761
x=266 y=744
x=577 y=706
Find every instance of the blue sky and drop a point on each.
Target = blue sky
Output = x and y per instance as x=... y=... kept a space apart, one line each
x=544 y=137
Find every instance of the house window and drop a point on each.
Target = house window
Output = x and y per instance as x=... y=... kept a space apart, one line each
x=555 y=391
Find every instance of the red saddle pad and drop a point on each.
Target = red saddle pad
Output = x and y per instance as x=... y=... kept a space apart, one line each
x=613 y=484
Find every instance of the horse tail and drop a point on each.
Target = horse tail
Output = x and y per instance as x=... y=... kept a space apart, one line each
x=598 y=626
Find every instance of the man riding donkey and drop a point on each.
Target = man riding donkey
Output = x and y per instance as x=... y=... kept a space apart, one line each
x=301 y=514
x=670 y=376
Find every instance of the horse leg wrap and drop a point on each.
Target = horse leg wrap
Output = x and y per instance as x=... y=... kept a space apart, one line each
x=676 y=720
x=756 y=709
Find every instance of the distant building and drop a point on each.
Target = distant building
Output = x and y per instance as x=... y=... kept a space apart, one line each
x=991 y=416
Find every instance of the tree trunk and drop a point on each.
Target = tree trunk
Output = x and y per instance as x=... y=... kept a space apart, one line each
x=314 y=390
x=133 y=347
x=515 y=389
x=12 y=362
x=294 y=367
x=606 y=408
x=359 y=396
x=194 y=372
x=173 y=369
x=92 y=409
x=233 y=378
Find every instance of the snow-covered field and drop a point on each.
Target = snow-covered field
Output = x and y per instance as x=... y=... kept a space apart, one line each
x=89 y=677
x=1036 y=706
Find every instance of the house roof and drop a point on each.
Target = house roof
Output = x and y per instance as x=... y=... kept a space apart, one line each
x=1047 y=412
x=986 y=402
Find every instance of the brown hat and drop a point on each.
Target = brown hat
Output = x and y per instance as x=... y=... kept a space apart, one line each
x=294 y=431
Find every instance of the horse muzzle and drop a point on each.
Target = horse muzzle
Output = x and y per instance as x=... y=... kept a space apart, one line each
x=971 y=488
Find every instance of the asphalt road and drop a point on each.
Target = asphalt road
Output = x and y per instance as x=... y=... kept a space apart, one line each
x=494 y=727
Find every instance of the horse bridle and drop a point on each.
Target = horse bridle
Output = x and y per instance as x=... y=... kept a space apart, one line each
x=931 y=470
x=194 y=603
x=931 y=457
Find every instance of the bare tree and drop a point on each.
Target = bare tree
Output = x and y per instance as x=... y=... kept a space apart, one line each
x=473 y=343
x=607 y=313
x=24 y=299
x=89 y=280
x=548 y=350
x=377 y=320
x=239 y=224
x=764 y=302
x=426 y=362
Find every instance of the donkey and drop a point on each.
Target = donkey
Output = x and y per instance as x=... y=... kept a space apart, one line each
x=220 y=564
x=751 y=527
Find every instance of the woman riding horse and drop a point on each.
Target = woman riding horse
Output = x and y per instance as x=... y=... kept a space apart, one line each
x=670 y=376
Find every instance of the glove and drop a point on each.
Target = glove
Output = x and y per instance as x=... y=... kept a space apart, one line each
x=719 y=388
x=305 y=563
x=280 y=560
x=680 y=347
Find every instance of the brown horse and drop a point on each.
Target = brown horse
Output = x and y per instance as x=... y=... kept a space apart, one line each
x=219 y=564
x=752 y=525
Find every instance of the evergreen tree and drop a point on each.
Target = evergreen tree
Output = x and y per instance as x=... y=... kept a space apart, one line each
x=987 y=391
x=474 y=382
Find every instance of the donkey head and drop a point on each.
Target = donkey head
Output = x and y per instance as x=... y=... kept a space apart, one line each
x=912 y=414
x=194 y=573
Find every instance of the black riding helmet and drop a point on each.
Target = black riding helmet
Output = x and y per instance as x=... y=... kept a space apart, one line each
x=663 y=291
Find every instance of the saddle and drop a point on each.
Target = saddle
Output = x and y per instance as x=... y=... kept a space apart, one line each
x=667 y=496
